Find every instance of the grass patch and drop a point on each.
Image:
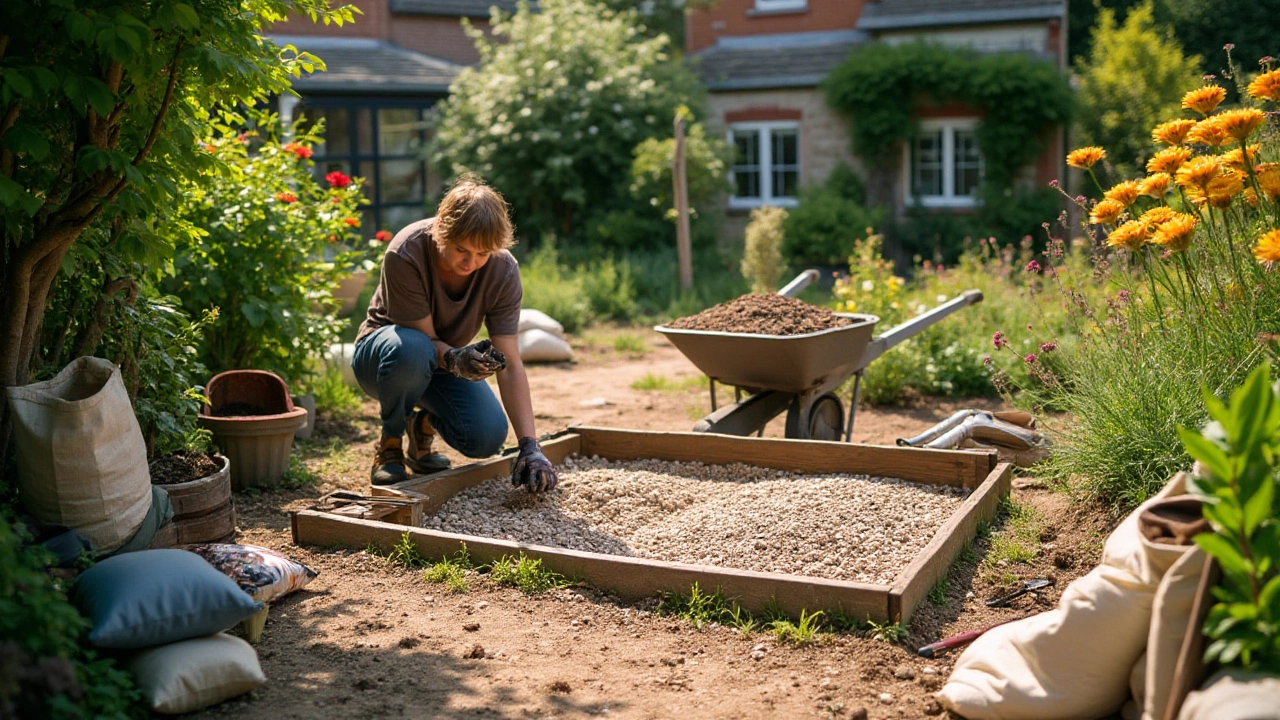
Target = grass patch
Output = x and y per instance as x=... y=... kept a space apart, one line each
x=797 y=633
x=1019 y=539
x=405 y=553
x=630 y=344
x=452 y=572
x=886 y=632
x=525 y=573
x=298 y=476
x=660 y=383
x=701 y=608
x=938 y=593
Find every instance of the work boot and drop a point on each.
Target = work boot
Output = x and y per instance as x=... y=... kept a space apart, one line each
x=420 y=459
x=388 y=463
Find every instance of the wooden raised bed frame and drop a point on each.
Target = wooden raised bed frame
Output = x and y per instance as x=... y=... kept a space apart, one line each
x=634 y=578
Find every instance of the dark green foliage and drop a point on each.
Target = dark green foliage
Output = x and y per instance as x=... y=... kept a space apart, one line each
x=45 y=671
x=1205 y=26
x=883 y=87
x=1008 y=215
x=831 y=216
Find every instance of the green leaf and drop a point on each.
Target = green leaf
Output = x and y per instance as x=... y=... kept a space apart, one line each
x=1258 y=507
x=79 y=27
x=11 y=194
x=1210 y=455
x=99 y=95
x=1223 y=551
x=23 y=139
x=1250 y=406
x=187 y=17
x=254 y=314
x=15 y=82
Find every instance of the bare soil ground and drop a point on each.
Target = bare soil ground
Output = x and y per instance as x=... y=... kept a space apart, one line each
x=369 y=639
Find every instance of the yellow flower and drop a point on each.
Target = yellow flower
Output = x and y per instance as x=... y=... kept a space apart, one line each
x=1107 y=211
x=1157 y=216
x=1131 y=235
x=1235 y=158
x=1085 y=157
x=1176 y=232
x=1241 y=122
x=1205 y=99
x=1124 y=193
x=1173 y=132
x=1156 y=186
x=1197 y=172
x=1209 y=131
x=1218 y=192
x=1267 y=251
x=1269 y=179
x=1168 y=160
x=1266 y=86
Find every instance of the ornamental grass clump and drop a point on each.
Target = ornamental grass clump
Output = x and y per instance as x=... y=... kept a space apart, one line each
x=1187 y=255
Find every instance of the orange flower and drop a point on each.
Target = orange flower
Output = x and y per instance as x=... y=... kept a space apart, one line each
x=1222 y=189
x=1106 y=212
x=1168 y=160
x=1205 y=99
x=1173 y=132
x=382 y=236
x=301 y=151
x=1198 y=171
x=1266 y=86
x=1124 y=193
x=1241 y=122
x=1209 y=131
x=1176 y=232
x=1157 y=216
x=208 y=147
x=1234 y=159
x=1131 y=235
x=1085 y=157
x=1156 y=186
x=286 y=197
x=1269 y=179
x=1267 y=251
x=353 y=222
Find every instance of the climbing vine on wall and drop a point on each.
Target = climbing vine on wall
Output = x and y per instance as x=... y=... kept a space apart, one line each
x=883 y=87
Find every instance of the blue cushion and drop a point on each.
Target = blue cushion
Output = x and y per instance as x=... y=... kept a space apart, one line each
x=153 y=597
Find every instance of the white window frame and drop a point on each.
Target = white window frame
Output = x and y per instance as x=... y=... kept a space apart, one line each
x=776 y=5
x=948 y=198
x=765 y=153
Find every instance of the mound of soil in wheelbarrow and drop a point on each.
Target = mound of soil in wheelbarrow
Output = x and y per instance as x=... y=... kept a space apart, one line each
x=771 y=314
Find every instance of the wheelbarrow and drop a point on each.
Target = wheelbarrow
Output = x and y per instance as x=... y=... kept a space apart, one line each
x=796 y=374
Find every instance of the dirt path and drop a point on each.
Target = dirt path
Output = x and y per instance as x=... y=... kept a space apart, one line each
x=368 y=639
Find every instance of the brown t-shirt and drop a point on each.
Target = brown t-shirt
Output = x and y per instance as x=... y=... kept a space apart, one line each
x=410 y=290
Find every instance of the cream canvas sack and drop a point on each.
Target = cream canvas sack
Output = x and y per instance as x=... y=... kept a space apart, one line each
x=82 y=461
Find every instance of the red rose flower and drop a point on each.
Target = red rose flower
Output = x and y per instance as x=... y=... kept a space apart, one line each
x=301 y=151
x=383 y=235
x=286 y=197
x=337 y=179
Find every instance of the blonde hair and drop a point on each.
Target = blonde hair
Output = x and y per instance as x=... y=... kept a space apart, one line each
x=473 y=211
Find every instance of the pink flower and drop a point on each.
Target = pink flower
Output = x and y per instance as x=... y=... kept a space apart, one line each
x=1029 y=358
x=999 y=340
x=1123 y=296
x=1033 y=267
x=1048 y=347
x=337 y=179
x=383 y=236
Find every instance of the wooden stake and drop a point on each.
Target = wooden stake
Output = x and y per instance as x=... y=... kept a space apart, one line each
x=684 y=247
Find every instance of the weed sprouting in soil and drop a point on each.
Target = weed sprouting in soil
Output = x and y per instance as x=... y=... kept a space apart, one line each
x=298 y=476
x=740 y=619
x=630 y=344
x=886 y=632
x=451 y=571
x=938 y=593
x=841 y=621
x=798 y=633
x=404 y=553
x=1018 y=540
x=649 y=381
x=700 y=608
x=525 y=573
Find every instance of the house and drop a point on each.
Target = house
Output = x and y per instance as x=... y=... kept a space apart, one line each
x=763 y=60
x=385 y=72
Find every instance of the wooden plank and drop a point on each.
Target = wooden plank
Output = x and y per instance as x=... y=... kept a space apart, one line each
x=958 y=468
x=933 y=563
x=439 y=487
x=627 y=577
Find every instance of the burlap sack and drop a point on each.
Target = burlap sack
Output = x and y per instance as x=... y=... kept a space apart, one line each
x=82 y=461
x=1075 y=661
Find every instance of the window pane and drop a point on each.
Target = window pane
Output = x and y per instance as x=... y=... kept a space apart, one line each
x=401 y=181
x=395 y=217
x=336 y=139
x=746 y=164
x=926 y=160
x=399 y=131
x=968 y=163
x=785 y=157
x=785 y=183
x=364 y=131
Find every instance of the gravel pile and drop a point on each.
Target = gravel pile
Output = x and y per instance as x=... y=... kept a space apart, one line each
x=771 y=314
x=844 y=527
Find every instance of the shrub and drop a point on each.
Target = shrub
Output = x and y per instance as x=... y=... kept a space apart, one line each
x=553 y=288
x=265 y=243
x=762 y=257
x=831 y=216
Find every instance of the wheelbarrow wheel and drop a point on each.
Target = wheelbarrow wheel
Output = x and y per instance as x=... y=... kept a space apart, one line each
x=826 y=418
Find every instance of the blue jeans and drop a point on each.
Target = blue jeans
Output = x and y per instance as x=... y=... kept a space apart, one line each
x=397 y=365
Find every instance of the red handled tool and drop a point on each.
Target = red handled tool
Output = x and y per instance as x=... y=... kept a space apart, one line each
x=964 y=638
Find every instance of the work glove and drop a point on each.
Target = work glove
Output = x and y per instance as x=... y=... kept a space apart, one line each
x=532 y=469
x=474 y=362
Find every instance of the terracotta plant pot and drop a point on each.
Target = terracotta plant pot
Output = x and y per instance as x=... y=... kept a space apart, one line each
x=253 y=420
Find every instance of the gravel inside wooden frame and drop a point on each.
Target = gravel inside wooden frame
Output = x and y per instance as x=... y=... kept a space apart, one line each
x=632 y=577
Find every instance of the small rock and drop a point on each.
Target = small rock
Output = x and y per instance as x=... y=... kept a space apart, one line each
x=760 y=648
x=858 y=713
x=968 y=595
x=904 y=672
x=930 y=670
x=933 y=707
x=757 y=654
x=471 y=627
x=482 y=605
x=886 y=698
x=561 y=687
x=597 y=402
x=475 y=653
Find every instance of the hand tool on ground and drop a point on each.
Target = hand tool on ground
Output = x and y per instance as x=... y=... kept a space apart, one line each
x=964 y=638
x=1027 y=586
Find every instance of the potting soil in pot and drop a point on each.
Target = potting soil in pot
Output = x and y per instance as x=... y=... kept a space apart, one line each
x=843 y=527
x=763 y=315
x=181 y=466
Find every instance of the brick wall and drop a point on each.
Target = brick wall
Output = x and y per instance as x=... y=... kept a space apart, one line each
x=373 y=23
x=734 y=18
x=441 y=37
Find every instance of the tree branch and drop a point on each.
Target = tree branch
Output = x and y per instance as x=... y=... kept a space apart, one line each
x=163 y=110
x=91 y=334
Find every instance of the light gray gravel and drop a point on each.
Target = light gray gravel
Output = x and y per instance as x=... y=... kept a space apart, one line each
x=845 y=527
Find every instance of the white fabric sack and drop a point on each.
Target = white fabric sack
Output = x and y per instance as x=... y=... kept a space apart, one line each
x=1170 y=615
x=538 y=320
x=82 y=461
x=541 y=346
x=1075 y=661
x=340 y=354
x=1234 y=695
x=193 y=674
